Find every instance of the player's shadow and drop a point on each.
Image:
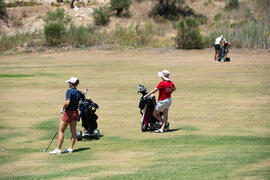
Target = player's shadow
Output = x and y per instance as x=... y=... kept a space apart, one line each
x=172 y=130
x=81 y=149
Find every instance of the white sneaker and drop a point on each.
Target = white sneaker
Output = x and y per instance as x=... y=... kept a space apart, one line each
x=159 y=131
x=68 y=150
x=56 y=151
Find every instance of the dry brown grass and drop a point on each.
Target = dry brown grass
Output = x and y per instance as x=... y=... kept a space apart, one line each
x=112 y=78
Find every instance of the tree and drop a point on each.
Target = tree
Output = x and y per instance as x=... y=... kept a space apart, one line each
x=188 y=34
x=3 y=10
x=120 y=5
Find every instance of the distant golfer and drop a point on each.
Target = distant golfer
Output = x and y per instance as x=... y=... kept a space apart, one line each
x=165 y=88
x=70 y=115
x=218 y=43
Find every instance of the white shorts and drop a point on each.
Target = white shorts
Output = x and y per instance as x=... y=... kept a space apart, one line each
x=163 y=104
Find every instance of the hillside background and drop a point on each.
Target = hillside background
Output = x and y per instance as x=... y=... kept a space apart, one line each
x=244 y=27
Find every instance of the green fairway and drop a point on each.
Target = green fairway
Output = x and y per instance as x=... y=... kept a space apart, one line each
x=219 y=118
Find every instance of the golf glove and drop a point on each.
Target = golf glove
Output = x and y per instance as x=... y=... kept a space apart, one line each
x=62 y=111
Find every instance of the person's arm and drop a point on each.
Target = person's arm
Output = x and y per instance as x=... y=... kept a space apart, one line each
x=173 y=88
x=68 y=94
x=151 y=92
x=66 y=104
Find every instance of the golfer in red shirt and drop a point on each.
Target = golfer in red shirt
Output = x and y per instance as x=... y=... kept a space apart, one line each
x=165 y=88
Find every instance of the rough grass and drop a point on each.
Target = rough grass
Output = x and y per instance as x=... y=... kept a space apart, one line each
x=219 y=117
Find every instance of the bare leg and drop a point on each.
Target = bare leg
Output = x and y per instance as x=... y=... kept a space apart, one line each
x=216 y=55
x=165 y=117
x=62 y=127
x=72 y=125
x=156 y=115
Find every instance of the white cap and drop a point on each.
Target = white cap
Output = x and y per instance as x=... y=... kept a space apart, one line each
x=164 y=74
x=72 y=80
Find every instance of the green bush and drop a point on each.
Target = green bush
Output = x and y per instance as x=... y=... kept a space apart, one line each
x=170 y=10
x=120 y=5
x=188 y=34
x=54 y=32
x=132 y=36
x=81 y=36
x=3 y=11
x=101 y=15
x=218 y=17
x=57 y=15
x=173 y=10
x=55 y=26
x=231 y=4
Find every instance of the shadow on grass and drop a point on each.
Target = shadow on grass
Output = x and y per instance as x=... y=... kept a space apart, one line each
x=172 y=130
x=80 y=149
x=91 y=138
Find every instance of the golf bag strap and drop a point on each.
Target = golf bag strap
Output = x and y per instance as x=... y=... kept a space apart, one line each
x=82 y=110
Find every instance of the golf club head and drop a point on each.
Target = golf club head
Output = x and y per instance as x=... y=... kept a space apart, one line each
x=43 y=151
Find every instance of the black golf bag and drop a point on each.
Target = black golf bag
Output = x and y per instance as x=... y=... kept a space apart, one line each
x=89 y=120
x=224 y=50
x=147 y=106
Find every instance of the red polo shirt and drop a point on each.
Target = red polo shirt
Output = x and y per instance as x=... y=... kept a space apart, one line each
x=165 y=89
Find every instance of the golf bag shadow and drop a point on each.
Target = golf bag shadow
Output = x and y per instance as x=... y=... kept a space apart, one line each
x=89 y=120
x=224 y=50
x=147 y=106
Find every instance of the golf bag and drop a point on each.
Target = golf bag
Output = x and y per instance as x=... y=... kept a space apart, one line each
x=147 y=106
x=89 y=120
x=224 y=50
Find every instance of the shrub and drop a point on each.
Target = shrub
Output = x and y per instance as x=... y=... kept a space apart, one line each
x=120 y=5
x=231 y=4
x=188 y=34
x=170 y=9
x=3 y=11
x=218 y=17
x=173 y=10
x=133 y=35
x=55 y=26
x=57 y=15
x=22 y=3
x=14 y=41
x=101 y=15
x=249 y=34
x=81 y=36
x=54 y=32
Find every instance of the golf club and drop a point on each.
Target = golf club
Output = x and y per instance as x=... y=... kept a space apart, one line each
x=50 y=142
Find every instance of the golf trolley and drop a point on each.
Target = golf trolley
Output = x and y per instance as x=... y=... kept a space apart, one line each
x=147 y=106
x=224 y=50
x=89 y=120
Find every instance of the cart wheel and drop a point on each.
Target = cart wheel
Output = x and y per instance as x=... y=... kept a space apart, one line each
x=227 y=59
x=96 y=133
x=144 y=127
x=79 y=135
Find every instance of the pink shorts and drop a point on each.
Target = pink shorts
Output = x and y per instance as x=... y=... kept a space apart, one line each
x=70 y=116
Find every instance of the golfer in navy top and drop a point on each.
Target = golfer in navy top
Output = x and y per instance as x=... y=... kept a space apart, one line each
x=70 y=115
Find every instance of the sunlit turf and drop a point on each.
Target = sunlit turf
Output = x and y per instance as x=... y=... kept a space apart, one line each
x=219 y=118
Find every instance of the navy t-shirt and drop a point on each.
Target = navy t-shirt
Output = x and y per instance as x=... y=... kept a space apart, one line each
x=74 y=95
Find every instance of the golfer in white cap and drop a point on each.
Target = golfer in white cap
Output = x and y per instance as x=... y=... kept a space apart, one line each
x=218 y=43
x=70 y=115
x=165 y=88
